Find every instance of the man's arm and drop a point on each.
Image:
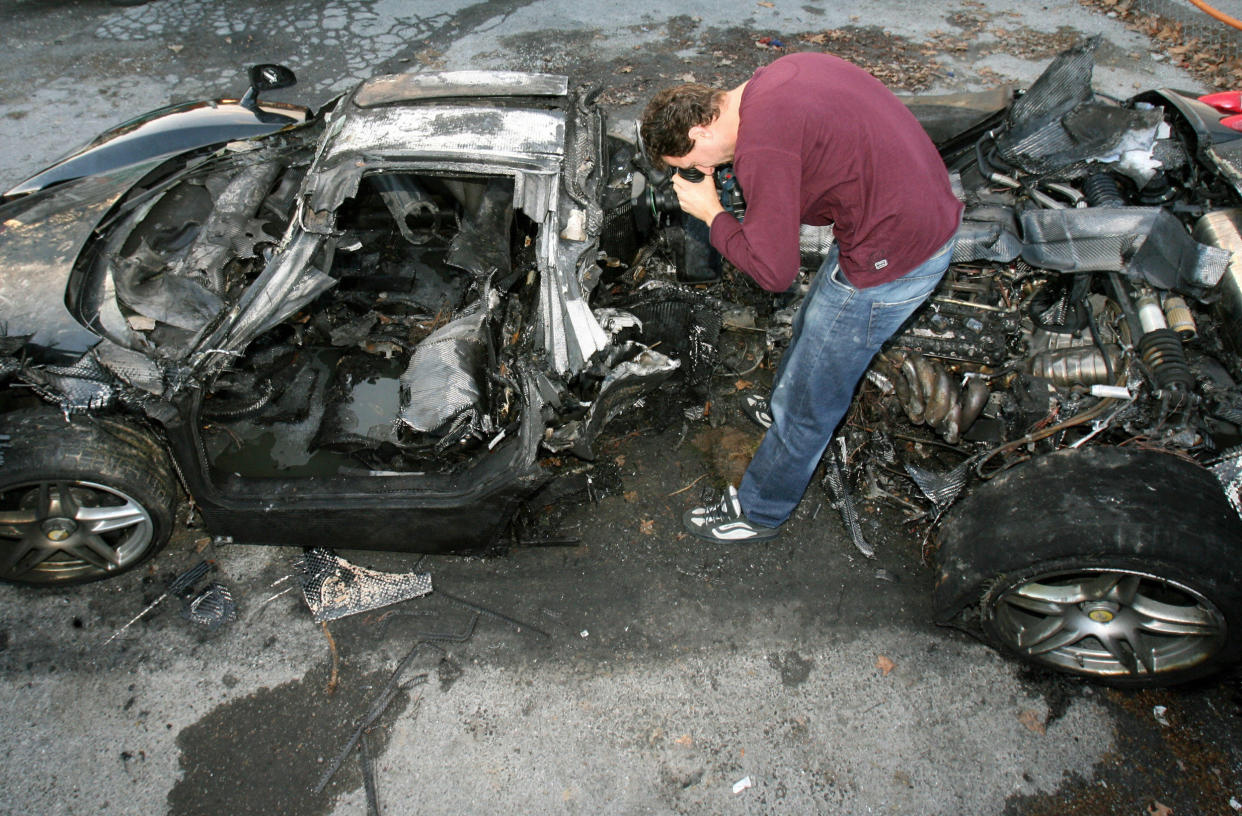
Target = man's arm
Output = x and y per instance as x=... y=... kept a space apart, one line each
x=765 y=245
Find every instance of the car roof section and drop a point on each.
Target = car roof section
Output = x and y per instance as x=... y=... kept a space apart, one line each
x=397 y=88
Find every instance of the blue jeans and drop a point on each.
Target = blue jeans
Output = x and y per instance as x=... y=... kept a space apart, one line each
x=836 y=332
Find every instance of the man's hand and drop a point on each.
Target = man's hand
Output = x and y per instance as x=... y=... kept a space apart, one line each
x=698 y=198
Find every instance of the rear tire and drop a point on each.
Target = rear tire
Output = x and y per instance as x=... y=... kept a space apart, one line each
x=81 y=499
x=1114 y=564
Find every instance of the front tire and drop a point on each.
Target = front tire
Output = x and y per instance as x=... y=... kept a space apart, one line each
x=81 y=499
x=1119 y=565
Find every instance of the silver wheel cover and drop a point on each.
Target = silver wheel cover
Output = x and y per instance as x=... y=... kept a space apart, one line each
x=66 y=530
x=1108 y=622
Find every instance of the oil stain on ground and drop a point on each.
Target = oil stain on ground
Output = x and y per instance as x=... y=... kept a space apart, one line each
x=793 y=668
x=264 y=754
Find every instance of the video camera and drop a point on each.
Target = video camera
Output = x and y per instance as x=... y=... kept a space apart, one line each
x=662 y=200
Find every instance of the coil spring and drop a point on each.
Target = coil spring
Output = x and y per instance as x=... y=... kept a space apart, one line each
x=1162 y=351
x=1102 y=191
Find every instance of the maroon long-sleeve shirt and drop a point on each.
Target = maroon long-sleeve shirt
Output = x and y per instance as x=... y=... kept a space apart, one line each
x=822 y=141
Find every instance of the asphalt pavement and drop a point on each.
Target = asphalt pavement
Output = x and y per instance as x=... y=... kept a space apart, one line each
x=636 y=671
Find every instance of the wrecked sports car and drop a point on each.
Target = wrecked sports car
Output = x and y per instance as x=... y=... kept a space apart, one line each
x=372 y=325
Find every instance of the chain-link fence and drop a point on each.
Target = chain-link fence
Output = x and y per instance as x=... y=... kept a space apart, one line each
x=1197 y=24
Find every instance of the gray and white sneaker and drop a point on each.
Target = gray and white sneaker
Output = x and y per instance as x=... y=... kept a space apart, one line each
x=757 y=410
x=724 y=522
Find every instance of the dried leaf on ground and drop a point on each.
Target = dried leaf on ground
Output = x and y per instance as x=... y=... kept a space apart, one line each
x=884 y=665
x=647 y=527
x=742 y=385
x=685 y=740
x=630 y=495
x=1033 y=721
x=1158 y=809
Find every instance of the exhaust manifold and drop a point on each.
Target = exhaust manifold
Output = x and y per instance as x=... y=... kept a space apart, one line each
x=929 y=396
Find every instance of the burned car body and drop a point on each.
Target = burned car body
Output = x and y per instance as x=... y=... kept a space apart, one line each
x=371 y=327
x=363 y=328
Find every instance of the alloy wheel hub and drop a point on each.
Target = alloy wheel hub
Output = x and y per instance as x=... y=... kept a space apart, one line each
x=58 y=530
x=1101 y=611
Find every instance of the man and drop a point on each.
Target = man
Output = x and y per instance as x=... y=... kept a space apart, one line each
x=813 y=140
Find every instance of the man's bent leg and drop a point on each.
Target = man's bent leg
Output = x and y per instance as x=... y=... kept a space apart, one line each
x=839 y=330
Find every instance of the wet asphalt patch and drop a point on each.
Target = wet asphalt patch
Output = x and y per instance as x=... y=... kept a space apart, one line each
x=264 y=753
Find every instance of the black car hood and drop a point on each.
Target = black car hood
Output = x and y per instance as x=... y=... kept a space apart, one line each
x=41 y=235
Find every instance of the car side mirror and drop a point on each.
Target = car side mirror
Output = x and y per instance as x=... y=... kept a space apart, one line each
x=267 y=77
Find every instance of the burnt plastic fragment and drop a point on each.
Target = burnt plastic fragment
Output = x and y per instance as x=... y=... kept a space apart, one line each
x=143 y=287
x=133 y=368
x=232 y=230
x=83 y=386
x=942 y=489
x=843 y=499
x=987 y=233
x=1059 y=124
x=686 y=325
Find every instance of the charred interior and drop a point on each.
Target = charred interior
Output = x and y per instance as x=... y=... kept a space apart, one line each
x=394 y=290
x=400 y=365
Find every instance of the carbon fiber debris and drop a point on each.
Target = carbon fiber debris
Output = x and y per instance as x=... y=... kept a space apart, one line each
x=334 y=588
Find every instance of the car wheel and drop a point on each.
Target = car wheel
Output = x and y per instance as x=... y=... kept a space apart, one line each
x=1115 y=564
x=80 y=499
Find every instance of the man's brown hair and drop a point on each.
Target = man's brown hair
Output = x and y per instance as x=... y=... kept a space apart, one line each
x=671 y=113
